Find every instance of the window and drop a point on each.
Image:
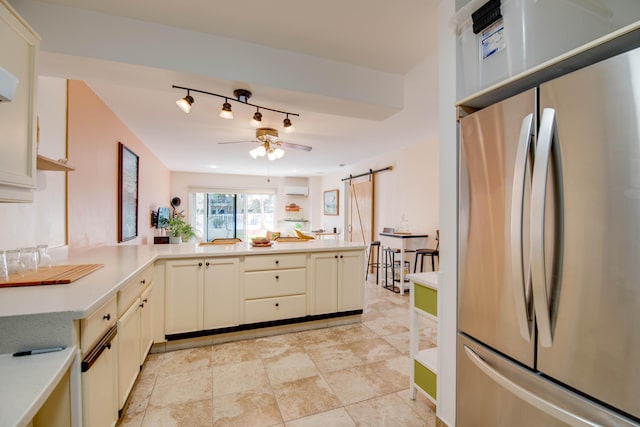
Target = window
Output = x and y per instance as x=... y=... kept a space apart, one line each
x=226 y=215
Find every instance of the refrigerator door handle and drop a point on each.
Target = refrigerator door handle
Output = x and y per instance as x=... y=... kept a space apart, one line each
x=547 y=134
x=521 y=276
x=524 y=394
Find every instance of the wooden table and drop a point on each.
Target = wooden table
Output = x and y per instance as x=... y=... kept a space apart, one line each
x=403 y=237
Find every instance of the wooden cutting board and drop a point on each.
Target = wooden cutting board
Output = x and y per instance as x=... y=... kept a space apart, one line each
x=56 y=275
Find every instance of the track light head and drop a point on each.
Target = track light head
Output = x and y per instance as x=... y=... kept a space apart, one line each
x=185 y=103
x=226 y=112
x=257 y=119
x=288 y=126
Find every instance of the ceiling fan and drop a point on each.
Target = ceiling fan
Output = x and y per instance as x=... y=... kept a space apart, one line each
x=269 y=144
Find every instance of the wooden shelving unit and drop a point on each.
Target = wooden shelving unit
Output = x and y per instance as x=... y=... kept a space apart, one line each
x=47 y=164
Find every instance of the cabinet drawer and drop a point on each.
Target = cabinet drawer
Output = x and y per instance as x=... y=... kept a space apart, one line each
x=129 y=292
x=426 y=299
x=263 y=310
x=273 y=262
x=94 y=326
x=263 y=284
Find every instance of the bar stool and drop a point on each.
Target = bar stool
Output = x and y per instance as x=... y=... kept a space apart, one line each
x=375 y=244
x=428 y=252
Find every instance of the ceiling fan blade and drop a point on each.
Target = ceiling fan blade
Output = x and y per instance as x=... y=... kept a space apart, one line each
x=292 y=145
x=236 y=142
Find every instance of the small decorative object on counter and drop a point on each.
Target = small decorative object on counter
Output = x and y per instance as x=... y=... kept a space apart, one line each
x=44 y=259
x=179 y=230
x=29 y=258
x=4 y=269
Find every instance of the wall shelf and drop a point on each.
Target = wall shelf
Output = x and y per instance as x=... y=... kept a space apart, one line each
x=47 y=164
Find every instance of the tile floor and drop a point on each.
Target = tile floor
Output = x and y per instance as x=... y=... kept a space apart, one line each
x=351 y=375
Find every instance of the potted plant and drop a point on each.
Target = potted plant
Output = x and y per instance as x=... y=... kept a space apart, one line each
x=180 y=230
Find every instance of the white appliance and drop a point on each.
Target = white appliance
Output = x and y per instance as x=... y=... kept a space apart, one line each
x=549 y=262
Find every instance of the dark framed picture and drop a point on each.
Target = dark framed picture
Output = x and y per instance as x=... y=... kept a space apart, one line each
x=128 y=163
x=330 y=202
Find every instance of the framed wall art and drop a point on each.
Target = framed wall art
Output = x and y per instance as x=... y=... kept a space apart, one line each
x=128 y=163
x=330 y=202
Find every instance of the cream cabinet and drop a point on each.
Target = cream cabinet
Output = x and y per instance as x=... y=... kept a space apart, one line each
x=275 y=287
x=201 y=294
x=338 y=281
x=424 y=302
x=18 y=62
x=99 y=346
x=128 y=352
x=147 y=306
x=134 y=330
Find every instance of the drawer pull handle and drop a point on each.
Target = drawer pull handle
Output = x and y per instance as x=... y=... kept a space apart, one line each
x=277 y=304
x=207 y=264
x=277 y=262
x=199 y=264
x=143 y=281
x=141 y=305
x=336 y=256
x=107 y=316
x=277 y=277
x=145 y=300
x=341 y=256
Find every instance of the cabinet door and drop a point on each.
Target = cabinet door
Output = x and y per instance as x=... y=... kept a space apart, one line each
x=183 y=305
x=19 y=57
x=146 y=322
x=324 y=271
x=220 y=293
x=99 y=389
x=128 y=351
x=351 y=270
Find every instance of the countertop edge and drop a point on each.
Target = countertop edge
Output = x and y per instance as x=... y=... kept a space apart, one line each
x=24 y=414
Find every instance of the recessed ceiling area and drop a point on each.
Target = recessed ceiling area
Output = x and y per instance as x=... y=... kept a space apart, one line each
x=362 y=75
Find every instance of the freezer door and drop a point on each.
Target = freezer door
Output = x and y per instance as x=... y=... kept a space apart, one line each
x=493 y=391
x=595 y=320
x=495 y=170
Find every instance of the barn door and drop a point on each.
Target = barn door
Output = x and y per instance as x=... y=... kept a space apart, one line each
x=361 y=211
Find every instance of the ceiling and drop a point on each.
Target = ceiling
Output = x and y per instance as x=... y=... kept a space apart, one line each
x=361 y=74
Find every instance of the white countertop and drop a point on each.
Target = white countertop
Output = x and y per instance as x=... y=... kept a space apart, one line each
x=28 y=381
x=121 y=263
x=428 y=279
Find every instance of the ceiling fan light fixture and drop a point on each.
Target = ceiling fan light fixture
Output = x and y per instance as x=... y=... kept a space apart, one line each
x=185 y=103
x=288 y=126
x=271 y=155
x=261 y=150
x=279 y=152
x=226 y=112
x=257 y=119
x=254 y=153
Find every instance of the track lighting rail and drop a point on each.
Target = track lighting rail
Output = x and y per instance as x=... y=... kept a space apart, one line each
x=227 y=98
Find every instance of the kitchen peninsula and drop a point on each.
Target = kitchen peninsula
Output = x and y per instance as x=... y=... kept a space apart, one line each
x=198 y=294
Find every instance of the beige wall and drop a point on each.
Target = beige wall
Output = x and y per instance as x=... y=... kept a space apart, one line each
x=410 y=189
x=94 y=133
x=182 y=183
x=43 y=221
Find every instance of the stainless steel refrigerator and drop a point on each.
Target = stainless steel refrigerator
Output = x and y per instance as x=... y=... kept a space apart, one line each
x=549 y=261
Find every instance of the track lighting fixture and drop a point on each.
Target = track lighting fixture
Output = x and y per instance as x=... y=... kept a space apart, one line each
x=226 y=112
x=185 y=103
x=242 y=96
x=288 y=127
x=257 y=119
